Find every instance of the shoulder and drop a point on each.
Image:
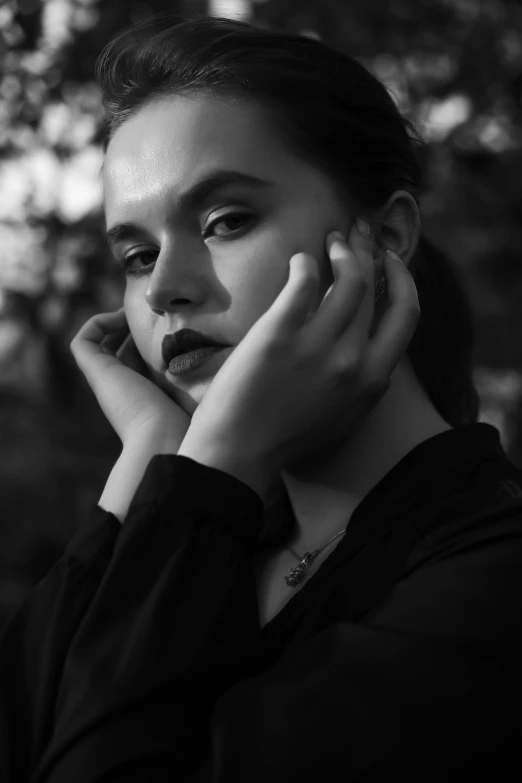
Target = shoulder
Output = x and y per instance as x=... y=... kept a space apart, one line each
x=484 y=512
x=461 y=586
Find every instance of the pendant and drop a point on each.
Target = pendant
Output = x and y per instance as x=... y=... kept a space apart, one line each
x=380 y=288
x=297 y=574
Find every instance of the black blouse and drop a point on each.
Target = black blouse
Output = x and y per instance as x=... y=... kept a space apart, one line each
x=140 y=657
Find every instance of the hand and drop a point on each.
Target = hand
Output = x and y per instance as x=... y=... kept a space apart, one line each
x=107 y=355
x=301 y=382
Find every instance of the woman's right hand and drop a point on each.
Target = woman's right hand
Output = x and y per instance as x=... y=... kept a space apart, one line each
x=106 y=354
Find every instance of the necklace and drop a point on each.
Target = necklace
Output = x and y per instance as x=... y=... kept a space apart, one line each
x=297 y=574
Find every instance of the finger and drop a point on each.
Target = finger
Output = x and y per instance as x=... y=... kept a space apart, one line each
x=345 y=305
x=102 y=325
x=130 y=356
x=115 y=340
x=124 y=351
x=97 y=329
x=296 y=299
x=116 y=329
x=399 y=322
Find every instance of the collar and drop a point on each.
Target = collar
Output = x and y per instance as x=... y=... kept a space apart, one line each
x=437 y=464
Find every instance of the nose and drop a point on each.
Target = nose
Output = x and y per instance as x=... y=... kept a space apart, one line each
x=173 y=283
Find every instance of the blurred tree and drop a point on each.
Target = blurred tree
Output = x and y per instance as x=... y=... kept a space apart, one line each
x=454 y=66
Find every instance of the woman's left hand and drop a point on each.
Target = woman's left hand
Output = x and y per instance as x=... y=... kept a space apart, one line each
x=301 y=382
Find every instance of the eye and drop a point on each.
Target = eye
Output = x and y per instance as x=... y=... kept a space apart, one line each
x=232 y=216
x=124 y=265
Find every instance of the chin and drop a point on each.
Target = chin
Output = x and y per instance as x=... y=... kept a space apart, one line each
x=191 y=407
x=187 y=401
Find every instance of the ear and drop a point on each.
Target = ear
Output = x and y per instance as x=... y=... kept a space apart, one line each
x=397 y=226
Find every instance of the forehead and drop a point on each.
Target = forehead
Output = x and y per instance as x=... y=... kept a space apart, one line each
x=176 y=139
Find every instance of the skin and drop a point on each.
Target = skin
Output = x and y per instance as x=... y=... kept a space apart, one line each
x=223 y=283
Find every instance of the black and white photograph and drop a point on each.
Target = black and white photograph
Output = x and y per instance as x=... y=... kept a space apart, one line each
x=260 y=391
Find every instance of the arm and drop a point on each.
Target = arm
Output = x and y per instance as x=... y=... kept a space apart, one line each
x=166 y=680
x=426 y=685
x=35 y=641
x=203 y=447
x=129 y=470
x=173 y=624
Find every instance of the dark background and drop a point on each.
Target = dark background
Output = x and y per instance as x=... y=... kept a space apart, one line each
x=454 y=66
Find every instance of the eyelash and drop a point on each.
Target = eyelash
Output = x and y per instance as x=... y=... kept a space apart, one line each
x=123 y=265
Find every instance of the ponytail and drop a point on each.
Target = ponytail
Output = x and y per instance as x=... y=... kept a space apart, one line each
x=441 y=351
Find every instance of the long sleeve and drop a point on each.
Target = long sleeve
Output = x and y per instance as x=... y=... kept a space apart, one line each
x=35 y=642
x=160 y=676
x=172 y=623
x=425 y=687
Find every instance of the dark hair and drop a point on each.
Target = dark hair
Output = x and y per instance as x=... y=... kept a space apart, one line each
x=336 y=115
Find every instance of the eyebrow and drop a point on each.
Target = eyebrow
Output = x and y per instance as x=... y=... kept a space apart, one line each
x=192 y=198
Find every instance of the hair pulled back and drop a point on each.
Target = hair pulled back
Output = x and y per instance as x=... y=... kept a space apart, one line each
x=334 y=114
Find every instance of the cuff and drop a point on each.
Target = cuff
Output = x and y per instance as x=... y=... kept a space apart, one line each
x=181 y=482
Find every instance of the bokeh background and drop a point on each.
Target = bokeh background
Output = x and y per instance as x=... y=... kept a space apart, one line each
x=453 y=66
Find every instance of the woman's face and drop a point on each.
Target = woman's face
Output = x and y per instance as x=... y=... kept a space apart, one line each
x=217 y=279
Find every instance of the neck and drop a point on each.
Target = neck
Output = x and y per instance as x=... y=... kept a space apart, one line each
x=325 y=493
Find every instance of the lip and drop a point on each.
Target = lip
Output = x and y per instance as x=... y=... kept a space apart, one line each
x=192 y=360
x=183 y=341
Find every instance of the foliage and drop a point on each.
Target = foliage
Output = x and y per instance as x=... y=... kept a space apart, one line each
x=455 y=66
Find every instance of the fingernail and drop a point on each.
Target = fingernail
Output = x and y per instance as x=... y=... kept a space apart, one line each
x=331 y=238
x=394 y=255
x=363 y=227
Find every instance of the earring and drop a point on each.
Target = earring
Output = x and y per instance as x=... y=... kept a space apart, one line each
x=380 y=288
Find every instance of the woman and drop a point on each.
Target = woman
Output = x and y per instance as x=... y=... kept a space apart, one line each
x=308 y=559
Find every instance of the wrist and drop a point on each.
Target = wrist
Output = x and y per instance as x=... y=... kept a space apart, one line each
x=128 y=472
x=251 y=472
x=154 y=440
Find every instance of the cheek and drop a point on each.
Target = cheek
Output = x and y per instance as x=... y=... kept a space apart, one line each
x=263 y=277
x=272 y=278
x=141 y=327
